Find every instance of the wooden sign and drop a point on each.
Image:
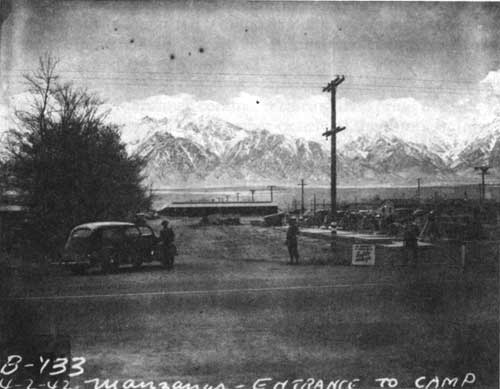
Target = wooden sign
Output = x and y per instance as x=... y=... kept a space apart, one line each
x=363 y=254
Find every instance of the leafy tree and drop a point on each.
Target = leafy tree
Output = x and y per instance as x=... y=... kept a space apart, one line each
x=71 y=165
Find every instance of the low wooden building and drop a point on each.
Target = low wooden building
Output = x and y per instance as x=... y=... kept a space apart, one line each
x=200 y=209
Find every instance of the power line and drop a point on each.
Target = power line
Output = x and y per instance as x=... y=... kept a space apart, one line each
x=254 y=74
x=202 y=75
x=230 y=83
x=190 y=77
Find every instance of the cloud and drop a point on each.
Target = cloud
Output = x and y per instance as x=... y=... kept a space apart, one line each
x=309 y=116
x=492 y=80
x=278 y=113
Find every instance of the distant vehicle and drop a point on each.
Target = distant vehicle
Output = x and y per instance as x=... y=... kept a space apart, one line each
x=401 y=215
x=150 y=215
x=108 y=245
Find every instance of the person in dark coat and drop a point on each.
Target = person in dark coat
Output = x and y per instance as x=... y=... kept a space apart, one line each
x=410 y=243
x=432 y=227
x=291 y=241
x=167 y=235
x=168 y=249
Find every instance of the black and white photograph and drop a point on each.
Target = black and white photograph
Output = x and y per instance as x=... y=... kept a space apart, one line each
x=253 y=194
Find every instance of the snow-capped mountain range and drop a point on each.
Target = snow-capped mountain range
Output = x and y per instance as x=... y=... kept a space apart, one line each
x=189 y=148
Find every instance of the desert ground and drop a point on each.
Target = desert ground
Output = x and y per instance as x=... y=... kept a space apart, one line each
x=234 y=311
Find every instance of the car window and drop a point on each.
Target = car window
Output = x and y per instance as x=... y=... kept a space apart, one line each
x=81 y=233
x=132 y=232
x=146 y=231
x=112 y=235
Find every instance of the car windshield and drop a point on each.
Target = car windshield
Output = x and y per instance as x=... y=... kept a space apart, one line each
x=80 y=240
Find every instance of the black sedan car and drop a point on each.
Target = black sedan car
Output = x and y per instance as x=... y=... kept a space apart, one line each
x=108 y=245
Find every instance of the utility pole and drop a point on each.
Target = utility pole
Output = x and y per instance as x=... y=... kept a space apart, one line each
x=302 y=208
x=484 y=171
x=332 y=88
x=253 y=191
x=314 y=204
x=271 y=187
x=418 y=189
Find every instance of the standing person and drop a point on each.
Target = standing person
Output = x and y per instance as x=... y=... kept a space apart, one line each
x=291 y=242
x=410 y=242
x=433 y=229
x=168 y=249
x=140 y=220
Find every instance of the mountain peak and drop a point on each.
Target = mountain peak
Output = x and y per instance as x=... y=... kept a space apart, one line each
x=147 y=119
x=194 y=146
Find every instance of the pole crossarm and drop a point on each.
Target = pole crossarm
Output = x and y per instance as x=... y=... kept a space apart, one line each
x=334 y=83
x=328 y=87
x=338 y=80
x=484 y=169
x=329 y=133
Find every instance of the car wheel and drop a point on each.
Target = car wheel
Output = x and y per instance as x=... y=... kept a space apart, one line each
x=168 y=263
x=109 y=263
x=136 y=262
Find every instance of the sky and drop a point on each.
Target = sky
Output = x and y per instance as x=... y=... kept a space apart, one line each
x=264 y=63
